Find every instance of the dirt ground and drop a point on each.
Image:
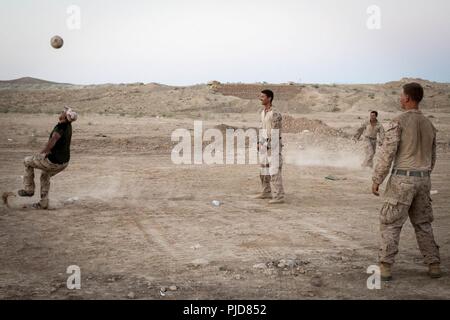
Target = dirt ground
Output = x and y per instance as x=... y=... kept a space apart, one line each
x=135 y=222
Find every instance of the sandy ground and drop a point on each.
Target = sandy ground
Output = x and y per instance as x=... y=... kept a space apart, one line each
x=139 y=222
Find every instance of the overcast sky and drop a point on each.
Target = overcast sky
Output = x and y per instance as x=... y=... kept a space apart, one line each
x=187 y=42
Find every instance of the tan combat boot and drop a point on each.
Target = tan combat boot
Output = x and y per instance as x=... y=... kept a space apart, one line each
x=262 y=196
x=276 y=201
x=434 y=270
x=385 y=272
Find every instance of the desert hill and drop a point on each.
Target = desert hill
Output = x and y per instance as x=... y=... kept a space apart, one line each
x=29 y=95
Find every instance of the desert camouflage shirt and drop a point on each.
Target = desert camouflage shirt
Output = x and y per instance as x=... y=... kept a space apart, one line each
x=409 y=144
x=270 y=120
x=368 y=131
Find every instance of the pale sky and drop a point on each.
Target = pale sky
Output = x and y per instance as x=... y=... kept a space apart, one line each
x=187 y=42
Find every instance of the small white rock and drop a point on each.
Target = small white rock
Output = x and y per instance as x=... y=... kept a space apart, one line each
x=71 y=200
x=199 y=262
x=290 y=263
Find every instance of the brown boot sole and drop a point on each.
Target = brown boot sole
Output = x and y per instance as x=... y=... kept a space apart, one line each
x=277 y=202
x=259 y=197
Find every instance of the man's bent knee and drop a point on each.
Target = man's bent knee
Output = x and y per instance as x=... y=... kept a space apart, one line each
x=27 y=161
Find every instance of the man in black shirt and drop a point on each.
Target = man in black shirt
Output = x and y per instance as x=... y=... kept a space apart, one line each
x=53 y=159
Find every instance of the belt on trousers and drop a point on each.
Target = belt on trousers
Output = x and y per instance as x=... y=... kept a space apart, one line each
x=410 y=173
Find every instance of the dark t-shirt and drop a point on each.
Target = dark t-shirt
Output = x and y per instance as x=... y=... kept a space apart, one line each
x=60 y=153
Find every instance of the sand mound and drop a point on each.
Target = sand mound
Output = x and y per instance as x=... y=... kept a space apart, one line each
x=252 y=91
x=296 y=125
x=299 y=125
x=223 y=127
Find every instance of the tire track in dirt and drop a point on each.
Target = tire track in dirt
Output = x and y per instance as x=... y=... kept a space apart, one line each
x=153 y=237
x=173 y=245
x=177 y=250
x=260 y=252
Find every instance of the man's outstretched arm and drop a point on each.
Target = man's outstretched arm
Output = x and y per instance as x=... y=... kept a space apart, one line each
x=387 y=154
x=360 y=131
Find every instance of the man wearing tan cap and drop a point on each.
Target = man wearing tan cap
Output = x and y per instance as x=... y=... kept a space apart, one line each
x=53 y=159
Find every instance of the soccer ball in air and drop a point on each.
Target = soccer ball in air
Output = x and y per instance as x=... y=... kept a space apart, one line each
x=57 y=42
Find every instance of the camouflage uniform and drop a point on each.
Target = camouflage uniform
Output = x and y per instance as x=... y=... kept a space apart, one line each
x=48 y=168
x=410 y=144
x=270 y=173
x=370 y=132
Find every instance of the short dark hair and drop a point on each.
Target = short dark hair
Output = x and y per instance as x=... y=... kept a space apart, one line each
x=414 y=91
x=376 y=112
x=269 y=94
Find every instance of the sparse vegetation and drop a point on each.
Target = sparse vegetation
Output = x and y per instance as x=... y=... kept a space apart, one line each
x=335 y=109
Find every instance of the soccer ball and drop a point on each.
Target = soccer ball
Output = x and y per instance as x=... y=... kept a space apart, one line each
x=57 y=42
